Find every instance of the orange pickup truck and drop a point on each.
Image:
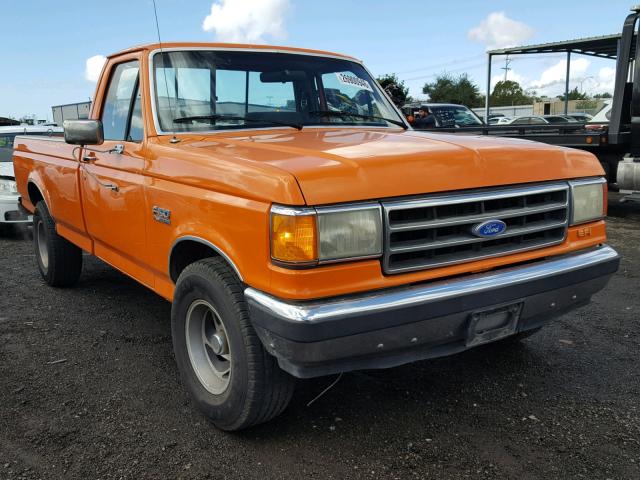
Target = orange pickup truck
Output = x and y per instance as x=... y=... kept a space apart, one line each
x=300 y=226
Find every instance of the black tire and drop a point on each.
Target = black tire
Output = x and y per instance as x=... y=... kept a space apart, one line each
x=59 y=261
x=257 y=389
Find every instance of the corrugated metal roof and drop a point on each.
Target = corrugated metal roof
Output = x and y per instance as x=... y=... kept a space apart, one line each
x=605 y=46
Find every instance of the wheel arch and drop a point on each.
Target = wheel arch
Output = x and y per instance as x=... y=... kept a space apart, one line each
x=188 y=249
x=36 y=194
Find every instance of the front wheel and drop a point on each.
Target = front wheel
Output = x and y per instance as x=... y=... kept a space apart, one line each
x=222 y=363
x=59 y=261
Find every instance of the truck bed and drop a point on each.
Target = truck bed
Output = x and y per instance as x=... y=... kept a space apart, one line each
x=49 y=164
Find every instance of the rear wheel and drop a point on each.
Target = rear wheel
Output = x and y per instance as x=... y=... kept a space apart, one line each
x=59 y=261
x=222 y=363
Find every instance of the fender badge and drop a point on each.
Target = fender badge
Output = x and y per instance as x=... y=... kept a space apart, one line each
x=162 y=215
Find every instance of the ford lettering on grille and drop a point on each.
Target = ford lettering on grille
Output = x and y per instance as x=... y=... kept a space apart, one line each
x=490 y=228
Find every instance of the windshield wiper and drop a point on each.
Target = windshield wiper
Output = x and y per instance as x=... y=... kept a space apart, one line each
x=342 y=113
x=236 y=117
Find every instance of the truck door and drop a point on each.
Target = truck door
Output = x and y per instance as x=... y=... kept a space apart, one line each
x=112 y=179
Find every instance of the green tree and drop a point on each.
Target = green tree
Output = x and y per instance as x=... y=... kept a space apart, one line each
x=588 y=104
x=508 y=92
x=395 y=88
x=574 y=95
x=603 y=95
x=449 y=89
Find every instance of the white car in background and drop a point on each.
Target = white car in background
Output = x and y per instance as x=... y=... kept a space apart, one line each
x=504 y=121
x=10 y=213
x=604 y=114
x=600 y=121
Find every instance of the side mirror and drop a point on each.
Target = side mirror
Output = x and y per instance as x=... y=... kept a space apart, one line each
x=83 y=132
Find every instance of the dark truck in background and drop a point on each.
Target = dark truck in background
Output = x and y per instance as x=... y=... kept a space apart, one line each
x=617 y=145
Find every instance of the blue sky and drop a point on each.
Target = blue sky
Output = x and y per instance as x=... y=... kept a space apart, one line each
x=46 y=44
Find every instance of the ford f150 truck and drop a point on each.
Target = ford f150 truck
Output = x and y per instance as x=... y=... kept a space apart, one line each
x=299 y=226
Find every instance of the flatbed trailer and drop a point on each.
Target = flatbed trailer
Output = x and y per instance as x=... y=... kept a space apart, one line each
x=569 y=135
x=618 y=145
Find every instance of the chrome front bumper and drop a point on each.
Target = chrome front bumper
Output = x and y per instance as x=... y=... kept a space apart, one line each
x=391 y=327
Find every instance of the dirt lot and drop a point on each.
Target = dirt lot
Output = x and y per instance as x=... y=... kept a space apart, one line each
x=89 y=389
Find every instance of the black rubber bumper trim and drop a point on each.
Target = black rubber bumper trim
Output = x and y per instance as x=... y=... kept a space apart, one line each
x=420 y=340
x=344 y=326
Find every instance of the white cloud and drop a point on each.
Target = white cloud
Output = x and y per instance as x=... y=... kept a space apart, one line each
x=93 y=67
x=500 y=31
x=247 y=21
x=552 y=80
x=511 y=75
x=605 y=81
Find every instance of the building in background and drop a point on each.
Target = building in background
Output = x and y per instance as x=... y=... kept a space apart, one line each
x=5 y=122
x=555 y=106
x=70 y=111
x=508 y=111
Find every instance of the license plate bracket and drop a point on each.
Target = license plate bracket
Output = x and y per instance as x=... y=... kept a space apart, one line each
x=493 y=323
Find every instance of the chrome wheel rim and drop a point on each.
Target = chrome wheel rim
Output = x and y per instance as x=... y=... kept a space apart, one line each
x=42 y=245
x=208 y=347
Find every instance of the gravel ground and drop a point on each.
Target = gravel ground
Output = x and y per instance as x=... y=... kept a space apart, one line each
x=89 y=389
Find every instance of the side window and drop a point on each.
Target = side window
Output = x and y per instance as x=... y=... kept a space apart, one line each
x=136 y=129
x=123 y=85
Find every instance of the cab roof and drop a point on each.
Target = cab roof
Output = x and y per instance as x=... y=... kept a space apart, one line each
x=230 y=46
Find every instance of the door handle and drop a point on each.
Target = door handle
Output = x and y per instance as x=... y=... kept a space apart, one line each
x=111 y=186
x=119 y=148
x=90 y=157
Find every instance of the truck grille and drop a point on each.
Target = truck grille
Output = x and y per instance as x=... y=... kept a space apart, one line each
x=438 y=230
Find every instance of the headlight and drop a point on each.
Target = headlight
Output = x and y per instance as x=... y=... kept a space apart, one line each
x=349 y=232
x=8 y=187
x=308 y=236
x=588 y=200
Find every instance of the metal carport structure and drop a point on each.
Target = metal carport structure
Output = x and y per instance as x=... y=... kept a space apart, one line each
x=606 y=46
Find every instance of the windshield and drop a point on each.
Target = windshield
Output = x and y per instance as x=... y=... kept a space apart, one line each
x=195 y=90
x=455 y=115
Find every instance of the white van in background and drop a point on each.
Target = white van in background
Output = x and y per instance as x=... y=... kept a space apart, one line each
x=10 y=214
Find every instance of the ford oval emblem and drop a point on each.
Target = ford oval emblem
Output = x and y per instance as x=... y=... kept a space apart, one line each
x=490 y=228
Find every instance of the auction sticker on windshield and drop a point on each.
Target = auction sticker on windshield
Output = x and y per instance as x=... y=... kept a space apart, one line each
x=353 y=81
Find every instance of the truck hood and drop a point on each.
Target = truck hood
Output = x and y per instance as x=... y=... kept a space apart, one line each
x=6 y=169
x=346 y=165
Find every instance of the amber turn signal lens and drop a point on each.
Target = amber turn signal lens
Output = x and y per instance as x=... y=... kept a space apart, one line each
x=293 y=238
